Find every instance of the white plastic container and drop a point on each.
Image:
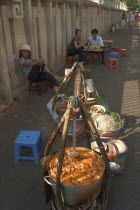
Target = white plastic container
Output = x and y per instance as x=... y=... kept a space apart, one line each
x=90 y=87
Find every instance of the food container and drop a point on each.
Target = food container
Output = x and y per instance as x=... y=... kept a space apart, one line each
x=61 y=107
x=96 y=110
x=91 y=102
x=112 y=156
x=117 y=132
x=92 y=47
x=95 y=147
x=97 y=47
x=98 y=107
x=77 y=195
x=122 y=148
x=107 y=136
x=89 y=85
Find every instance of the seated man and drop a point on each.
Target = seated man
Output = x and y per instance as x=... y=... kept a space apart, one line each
x=75 y=47
x=36 y=70
x=96 y=40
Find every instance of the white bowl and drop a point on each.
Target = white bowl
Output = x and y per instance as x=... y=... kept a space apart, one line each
x=98 y=106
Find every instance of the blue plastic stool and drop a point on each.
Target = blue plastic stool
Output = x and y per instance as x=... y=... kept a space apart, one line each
x=114 y=55
x=31 y=139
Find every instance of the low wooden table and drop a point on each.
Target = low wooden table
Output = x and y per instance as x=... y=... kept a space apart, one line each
x=95 y=51
x=109 y=43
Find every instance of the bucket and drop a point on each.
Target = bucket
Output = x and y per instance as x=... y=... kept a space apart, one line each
x=121 y=156
x=112 y=156
x=107 y=136
x=95 y=147
x=117 y=132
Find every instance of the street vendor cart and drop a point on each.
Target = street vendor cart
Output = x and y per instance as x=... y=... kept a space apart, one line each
x=76 y=177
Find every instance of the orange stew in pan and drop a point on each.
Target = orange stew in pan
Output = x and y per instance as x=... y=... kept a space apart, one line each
x=85 y=169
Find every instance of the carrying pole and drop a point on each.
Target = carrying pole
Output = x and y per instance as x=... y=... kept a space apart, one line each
x=61 y=157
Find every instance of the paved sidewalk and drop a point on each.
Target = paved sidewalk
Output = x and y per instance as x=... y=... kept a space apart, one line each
x=21 y=185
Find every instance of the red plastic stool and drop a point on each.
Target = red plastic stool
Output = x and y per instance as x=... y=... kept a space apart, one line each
x=112 y=62
x=70 y=59
x=123 y=52
x=115 y=49
x=94 y=57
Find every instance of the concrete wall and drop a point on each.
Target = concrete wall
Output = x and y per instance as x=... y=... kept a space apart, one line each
x=48 y=26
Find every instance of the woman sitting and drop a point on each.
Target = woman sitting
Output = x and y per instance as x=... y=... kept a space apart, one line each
x=75 y=47
x=36 y=70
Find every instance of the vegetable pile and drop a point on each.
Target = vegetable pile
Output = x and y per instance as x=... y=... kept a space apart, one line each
x=108 y=121
x=116 y=118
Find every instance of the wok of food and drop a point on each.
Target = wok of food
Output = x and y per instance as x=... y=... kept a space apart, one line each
x=85 y=169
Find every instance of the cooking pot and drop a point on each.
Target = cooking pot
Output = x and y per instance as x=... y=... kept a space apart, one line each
x=76 y=195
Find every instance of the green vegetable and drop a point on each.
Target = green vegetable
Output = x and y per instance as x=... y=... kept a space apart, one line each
x=116 y=118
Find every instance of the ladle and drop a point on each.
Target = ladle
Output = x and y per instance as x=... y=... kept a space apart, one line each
x=74 y=153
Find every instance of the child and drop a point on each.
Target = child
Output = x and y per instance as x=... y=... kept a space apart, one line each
x=35 y=70
x=96 y=40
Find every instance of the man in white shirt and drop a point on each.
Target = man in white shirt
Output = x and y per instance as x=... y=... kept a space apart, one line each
x=96 y=40
x=132 y=19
